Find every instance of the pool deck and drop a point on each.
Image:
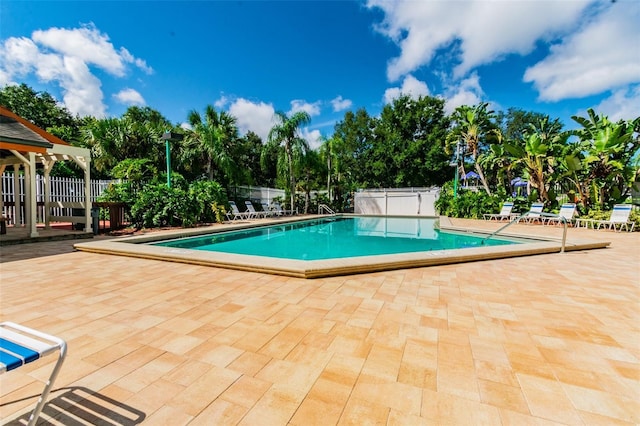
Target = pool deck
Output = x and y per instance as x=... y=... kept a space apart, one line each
x=540 y=340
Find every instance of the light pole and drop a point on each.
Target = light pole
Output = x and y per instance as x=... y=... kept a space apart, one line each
x=170 y=136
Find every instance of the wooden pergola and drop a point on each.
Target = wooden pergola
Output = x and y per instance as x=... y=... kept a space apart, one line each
x=25 y=145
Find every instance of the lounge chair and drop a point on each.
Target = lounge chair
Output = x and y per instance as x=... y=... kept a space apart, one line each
x=20 y=345
x=267 y=210
x=253 y=213
x=235 y=213
x=280 y=211
x=505 y=213
x=534 y=213
x=619 y=216
x=567 y=211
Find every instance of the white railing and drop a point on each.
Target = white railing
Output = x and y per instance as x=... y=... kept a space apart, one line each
x=323 y=208
x=63 y=190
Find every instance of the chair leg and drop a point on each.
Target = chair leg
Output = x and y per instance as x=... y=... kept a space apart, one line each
x=33 y=418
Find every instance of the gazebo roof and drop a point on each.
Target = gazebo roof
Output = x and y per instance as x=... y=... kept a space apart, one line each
x=18 y=135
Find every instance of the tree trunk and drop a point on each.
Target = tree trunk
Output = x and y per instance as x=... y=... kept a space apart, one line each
x=482 y=179
x=292 y=179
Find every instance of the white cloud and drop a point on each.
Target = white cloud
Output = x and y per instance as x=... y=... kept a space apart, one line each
x=340 y=104
x=313 y=137
x=601 y=56
x=257 y=117
x=298 y=105
x=91 y=46
x=222 y=102
x=623 y=104
x=64 y=57
x=129 y=97
x=411 y=86
x=466 y=92
x=481 y=31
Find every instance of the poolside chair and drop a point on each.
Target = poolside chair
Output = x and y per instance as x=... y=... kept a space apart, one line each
x=505 y=213
x=567 y=211
x=267 y=210
x=534 y=213
x=253 y=213
x=280 y=211
x=619 y=216
x=235 y=213
x=20 y=345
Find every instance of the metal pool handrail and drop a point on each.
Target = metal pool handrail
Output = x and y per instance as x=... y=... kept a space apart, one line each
x=516 y=220
x=324 y=207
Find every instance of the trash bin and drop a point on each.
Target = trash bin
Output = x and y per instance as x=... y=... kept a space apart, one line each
x=80 y=213
x=95 y=219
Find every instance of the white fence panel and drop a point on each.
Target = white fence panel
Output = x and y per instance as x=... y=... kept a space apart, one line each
x=397 y=202
x=259 y=193
x=67 y=190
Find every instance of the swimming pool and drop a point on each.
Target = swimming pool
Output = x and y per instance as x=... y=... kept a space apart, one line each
x=337 y=238
x=139 y=246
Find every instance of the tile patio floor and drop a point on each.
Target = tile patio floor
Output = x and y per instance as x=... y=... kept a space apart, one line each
x=548 y=339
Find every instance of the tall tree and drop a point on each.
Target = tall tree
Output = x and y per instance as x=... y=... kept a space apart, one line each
x=601 y=167
x=136 y=135
x=472 y=127
x=40 y=108
x=355 y=138
x=544 y=143
x=211 y=140
x=285 y=133
x=408 y=146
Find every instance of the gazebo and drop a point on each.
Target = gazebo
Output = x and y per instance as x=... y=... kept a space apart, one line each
x=25 y=145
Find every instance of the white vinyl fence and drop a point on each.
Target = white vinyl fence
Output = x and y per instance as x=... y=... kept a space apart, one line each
x=62 y=190
x=259 y=194
x=396 y=201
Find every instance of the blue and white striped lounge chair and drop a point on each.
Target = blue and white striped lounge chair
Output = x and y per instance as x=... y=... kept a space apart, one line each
x=505 y=213
x=567 y=211
x=619 y=217
x=20 y=345
x=534 y=213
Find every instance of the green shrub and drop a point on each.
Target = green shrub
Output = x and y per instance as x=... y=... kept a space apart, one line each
x=156 y=205
x=468 y=204
x=206 y=193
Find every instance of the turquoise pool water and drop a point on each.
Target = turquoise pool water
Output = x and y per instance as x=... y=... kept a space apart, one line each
x=331 y=238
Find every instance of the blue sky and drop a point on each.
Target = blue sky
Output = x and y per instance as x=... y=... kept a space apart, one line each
x=252 y=58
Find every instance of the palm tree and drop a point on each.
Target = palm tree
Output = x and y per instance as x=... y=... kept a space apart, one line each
x=543 y=145
x=606 y=172
x=472 y=127
x=212 y=139
x=285 y=133
x=497 y=161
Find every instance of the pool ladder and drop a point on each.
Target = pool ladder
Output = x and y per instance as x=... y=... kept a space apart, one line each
x=517 y=219
x=324 y=209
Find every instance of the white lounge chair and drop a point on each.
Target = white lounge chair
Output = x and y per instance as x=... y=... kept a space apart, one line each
x=567 y=211
x=266 y=210
x=534 y=213
x=235 y=213
x=619 y=217
x=280 y=211
x=20 y=345
x=253 y=213
x=505 y=213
